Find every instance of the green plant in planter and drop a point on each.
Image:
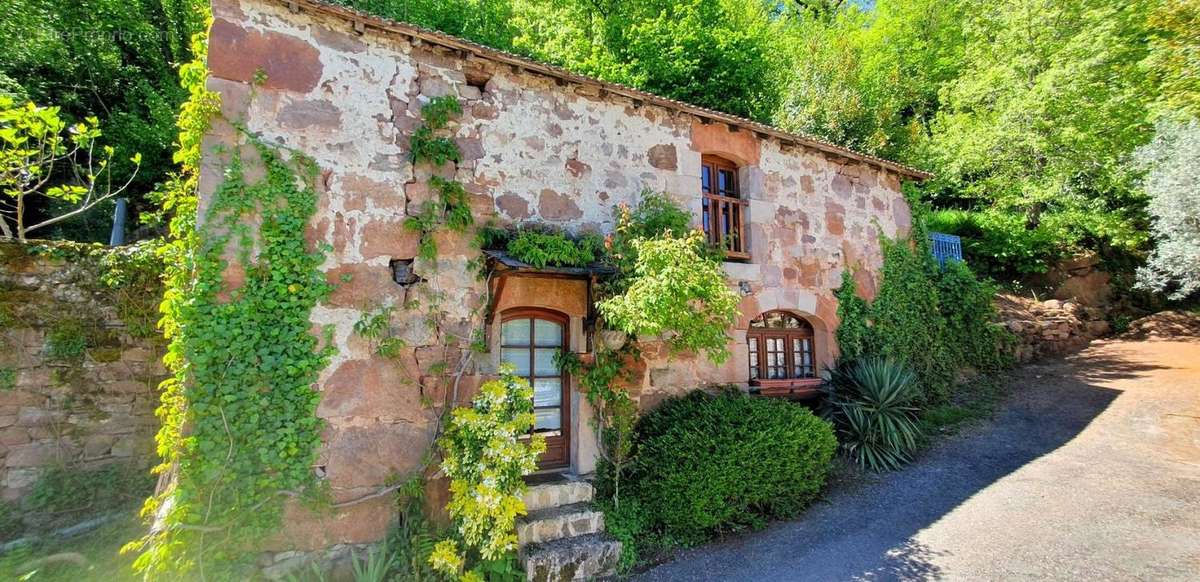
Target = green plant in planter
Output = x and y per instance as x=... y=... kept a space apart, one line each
x=554 y=248
x=872 y=402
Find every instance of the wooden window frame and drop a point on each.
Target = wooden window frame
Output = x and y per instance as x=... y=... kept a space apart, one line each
x=791 y=385
x=558 y=452
x=721 y=206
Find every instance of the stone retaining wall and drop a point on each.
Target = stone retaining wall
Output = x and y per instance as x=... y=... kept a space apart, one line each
x=1049 y=328
x=76 y=388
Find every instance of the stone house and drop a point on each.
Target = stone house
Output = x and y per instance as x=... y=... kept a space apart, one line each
x=540 y=145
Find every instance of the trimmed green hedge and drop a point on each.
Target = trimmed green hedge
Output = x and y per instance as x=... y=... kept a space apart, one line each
x=708 y=464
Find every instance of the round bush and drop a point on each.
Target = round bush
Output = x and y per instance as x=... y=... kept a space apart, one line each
x=707 y=464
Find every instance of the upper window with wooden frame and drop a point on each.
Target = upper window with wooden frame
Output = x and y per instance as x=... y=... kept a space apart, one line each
x=724 y=209
x=780 y=349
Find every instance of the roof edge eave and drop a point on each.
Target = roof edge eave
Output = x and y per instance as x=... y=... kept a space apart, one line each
x=360 y=21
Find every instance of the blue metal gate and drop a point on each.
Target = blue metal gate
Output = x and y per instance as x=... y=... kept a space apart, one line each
x=945 y=247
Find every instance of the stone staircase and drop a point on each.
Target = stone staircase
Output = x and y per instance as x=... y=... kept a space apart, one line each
x=562 y=537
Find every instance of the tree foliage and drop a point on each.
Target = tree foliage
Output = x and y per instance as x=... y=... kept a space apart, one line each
x=113 y=60
x=869 y=79
x=1173 y=184
x=1174 y=59
x=1050 y=101
x=44 y=158
x=712 y=53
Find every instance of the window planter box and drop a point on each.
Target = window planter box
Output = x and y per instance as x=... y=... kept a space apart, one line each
x=799 y=389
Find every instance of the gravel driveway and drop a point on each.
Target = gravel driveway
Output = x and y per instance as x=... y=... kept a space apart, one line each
x=1090 y=470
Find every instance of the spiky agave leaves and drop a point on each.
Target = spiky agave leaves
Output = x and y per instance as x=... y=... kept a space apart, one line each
x=871 y=401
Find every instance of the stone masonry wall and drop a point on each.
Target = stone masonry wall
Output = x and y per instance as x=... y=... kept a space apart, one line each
x=1049 y=328
x=535 y=149
x=77 y=412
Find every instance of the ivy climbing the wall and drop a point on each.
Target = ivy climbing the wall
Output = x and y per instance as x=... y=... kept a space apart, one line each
x=936 y=320
x=448 y=207
x=239 y=431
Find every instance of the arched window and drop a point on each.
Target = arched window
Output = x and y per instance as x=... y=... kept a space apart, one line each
x=529 y=338
x=781 y=347
x=723 y=206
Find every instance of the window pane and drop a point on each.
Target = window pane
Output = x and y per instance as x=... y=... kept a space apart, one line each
x=797 y=359
x=543 y=362
x=735 y=231
x=547 y=333
x=515 y=332
x=706 y=178
x=518 y=357
x=725 y=183
x=753 y=344
x=775 y=373
x=547 y=392
x=725 y=223
x=707 y=220
x=548 y=419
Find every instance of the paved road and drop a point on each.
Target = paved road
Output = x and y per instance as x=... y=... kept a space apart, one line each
x=1089 y=471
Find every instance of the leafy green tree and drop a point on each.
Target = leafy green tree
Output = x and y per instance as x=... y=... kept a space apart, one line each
x=869 y=79
x=1174 y=58
x=115 y=60
x=42 y=156
x=1050 y=101
x=488 y=22
x=712 y=53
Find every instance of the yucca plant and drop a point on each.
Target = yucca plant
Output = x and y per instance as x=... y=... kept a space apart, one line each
x=871 y=402
x=376 y=567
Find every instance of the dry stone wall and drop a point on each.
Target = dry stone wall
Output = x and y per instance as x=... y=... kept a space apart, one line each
x=77 y=390
x=535 y=149
x=1051 y=327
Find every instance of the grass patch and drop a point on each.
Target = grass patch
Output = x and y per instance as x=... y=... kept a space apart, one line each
x=973 y=400
x=74 y=494
x=8 y=378
x=66 y=341
x=91 y=556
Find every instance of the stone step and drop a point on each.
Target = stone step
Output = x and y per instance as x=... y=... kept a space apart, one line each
x=556 y=493
x=553 y=523
x=585 y=557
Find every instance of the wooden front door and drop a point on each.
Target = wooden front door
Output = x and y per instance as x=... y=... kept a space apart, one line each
x=529 y=340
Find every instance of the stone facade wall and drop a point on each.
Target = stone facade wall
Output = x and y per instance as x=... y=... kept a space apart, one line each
x=80 y=412
x=535 y=149
x=1049 y=328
